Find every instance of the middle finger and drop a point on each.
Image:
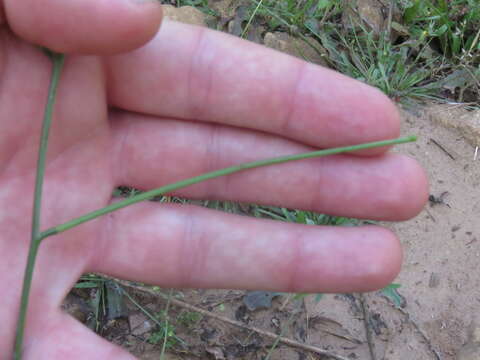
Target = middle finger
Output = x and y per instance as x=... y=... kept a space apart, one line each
x=150 y=153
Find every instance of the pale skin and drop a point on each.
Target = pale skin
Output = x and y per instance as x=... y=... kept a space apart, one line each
x=186 y=101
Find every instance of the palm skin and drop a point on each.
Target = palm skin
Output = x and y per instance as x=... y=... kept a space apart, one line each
x=188 y=102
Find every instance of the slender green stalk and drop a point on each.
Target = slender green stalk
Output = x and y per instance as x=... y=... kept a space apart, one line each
x=142 y=309
x=153 y=318
x=35 y=240
x=244 y=32
x=280 y=335
x=165 y=332
x=214 y=174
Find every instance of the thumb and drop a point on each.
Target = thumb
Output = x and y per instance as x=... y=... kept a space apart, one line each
x=84 y=26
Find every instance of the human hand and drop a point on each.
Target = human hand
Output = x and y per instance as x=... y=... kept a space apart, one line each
x=188 y=102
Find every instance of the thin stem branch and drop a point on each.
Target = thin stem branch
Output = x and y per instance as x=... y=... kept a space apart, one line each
x=58 y=60
x=165 y=330
x=214 y=174
x=281 y=334
x=244 y=32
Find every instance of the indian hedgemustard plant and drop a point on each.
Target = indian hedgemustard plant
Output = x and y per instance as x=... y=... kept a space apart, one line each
x=37 y=236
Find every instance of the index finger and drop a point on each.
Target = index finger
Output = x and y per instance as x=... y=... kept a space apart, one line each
x=192 y=73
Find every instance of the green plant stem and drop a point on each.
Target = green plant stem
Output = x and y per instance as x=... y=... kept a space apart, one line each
x=142 y=309
x=161 y=325
x=244 y=32
x=165 y=334
x=58 y=60
x=280 y=335
x=214 y=174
